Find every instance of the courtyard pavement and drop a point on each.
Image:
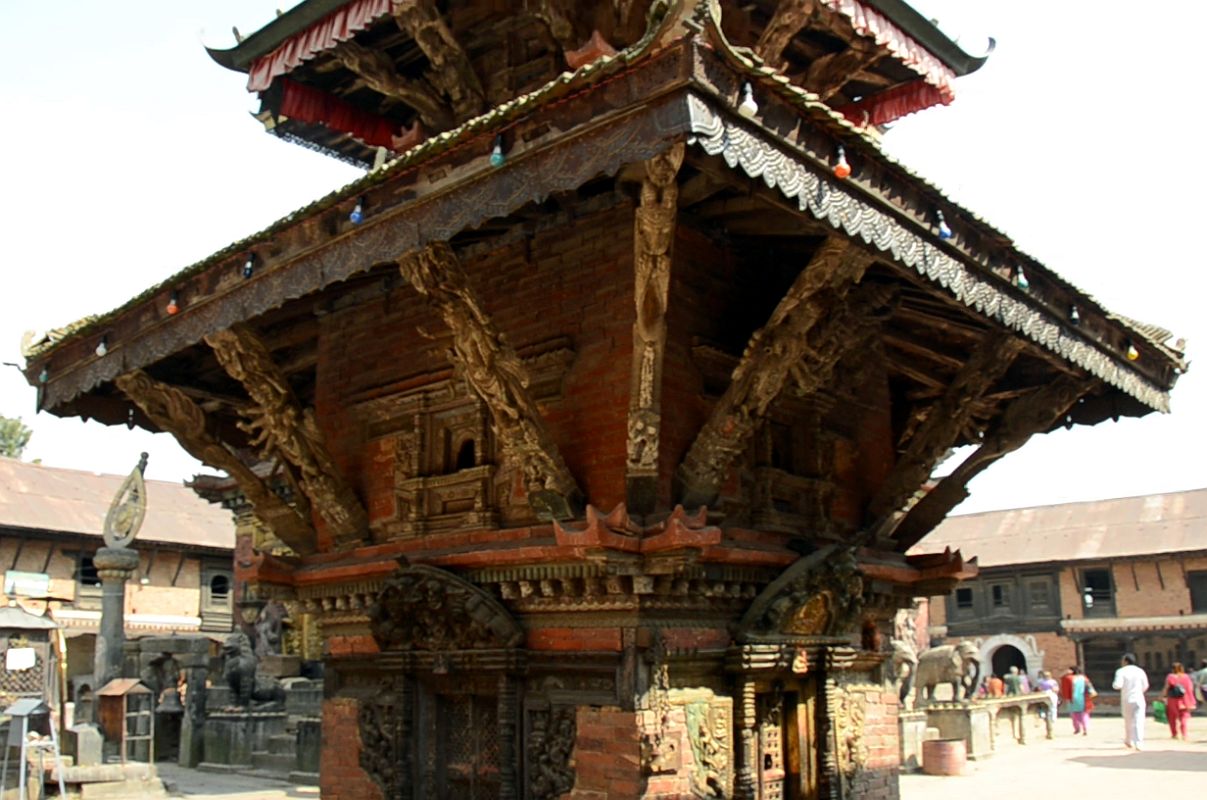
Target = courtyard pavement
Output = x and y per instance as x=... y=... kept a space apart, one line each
x=218 y=786
x=1096 y=766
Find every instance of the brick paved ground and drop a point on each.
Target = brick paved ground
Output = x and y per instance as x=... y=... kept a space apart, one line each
x=210 y=786
x=1097 y=766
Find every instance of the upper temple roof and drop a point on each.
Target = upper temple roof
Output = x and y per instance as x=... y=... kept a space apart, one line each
x=446 y=186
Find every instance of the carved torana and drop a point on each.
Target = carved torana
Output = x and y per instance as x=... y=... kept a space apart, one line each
x=173 y=411
x=945 y=422
x=767 y=363
x=425 y=608
x=654 y=234
x=284 y=430
x=491 y=367
x=819 y=595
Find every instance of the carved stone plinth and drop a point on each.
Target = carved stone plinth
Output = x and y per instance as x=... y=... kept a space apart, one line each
x=968 y=721
x=231 y=737
x=911 y=729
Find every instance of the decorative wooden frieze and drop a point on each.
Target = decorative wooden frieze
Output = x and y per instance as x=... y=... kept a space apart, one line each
x=945 y=423
x=552 y=735
x=491 y=367
x=426 y=608
x=819 y=595
x=377 y=70
x=654 y=235
x=451 y=71
x=1022 y=418
x=175 y=412
x=284 y=430
x=774 y=352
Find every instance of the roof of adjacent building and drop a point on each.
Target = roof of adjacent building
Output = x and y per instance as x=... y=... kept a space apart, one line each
x=50 y=499
x=1098 y=529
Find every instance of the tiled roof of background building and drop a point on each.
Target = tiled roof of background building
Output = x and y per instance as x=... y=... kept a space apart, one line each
x=42 y=498
x=1099 y=529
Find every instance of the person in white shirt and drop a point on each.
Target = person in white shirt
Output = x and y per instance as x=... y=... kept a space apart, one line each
x=1132 y=683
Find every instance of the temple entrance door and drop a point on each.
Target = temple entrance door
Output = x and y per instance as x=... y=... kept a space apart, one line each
x=460 y=746
x=787 y=767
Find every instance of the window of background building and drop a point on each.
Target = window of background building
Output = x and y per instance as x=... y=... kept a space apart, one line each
x=1039 y=595
x=1097 y=593
x=964 y=599
x=999 y=598
x=216 y=590
x=1198 y=591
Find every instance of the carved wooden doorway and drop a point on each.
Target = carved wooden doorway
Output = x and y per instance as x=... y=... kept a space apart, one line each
x=786 y=766
x=459 y=743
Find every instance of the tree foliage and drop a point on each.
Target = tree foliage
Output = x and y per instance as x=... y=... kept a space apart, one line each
x=14 y=435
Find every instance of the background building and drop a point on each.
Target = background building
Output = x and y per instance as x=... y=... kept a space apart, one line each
x=1081 y=582
x=50 y=526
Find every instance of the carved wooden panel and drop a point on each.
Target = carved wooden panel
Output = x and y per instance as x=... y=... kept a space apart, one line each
x=770 y=766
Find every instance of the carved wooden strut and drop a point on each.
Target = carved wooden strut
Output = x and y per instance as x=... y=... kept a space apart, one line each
x=944 y=423
x=283 y=429
x=451 y=71
x=173 y=411
x=790 y=17
x=654 y=235
x=378 y=72
x=1022 y=419
x=491 y=367
x=766 y=364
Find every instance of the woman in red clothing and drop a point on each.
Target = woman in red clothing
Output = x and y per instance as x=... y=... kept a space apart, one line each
x=1178 y=695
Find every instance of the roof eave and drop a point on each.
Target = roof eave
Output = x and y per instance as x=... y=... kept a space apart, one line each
x=929 y=36
x=262 y=42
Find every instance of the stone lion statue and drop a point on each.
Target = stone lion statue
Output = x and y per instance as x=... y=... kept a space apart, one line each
x=957 y=664
x=239 y=671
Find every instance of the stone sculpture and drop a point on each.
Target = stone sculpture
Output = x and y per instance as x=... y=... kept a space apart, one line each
x=248 y=689
x=948 y=664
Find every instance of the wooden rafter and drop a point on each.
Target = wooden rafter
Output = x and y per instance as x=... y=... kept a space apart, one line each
x=378 y=72
x=284 y=430
x=493 y=370
x=766 y=364
x=654 y=235
x=1022 y=419
x=452 y=72
x=828 y=74
x=173 y=411
x=944 y=423
x=790 y=17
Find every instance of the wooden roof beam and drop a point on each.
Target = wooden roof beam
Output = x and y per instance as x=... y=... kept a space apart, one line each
x=789 y=19
x=452 y=72
x=765 y=367
x=378 y=72
x=173 y=411
x=496 y=374
x=283 y=429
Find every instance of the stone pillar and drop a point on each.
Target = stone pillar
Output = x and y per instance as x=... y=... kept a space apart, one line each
x=192 y=740
x=114 y=565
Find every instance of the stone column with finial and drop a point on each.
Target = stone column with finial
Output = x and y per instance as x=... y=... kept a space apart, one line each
x=115 y=563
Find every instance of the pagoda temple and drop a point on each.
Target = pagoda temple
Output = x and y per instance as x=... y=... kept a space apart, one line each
x=591 y=426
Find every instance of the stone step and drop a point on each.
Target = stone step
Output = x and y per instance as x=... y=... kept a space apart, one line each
x=304 y=778
x=280 y=763
x=283 y=743
x=124 y=790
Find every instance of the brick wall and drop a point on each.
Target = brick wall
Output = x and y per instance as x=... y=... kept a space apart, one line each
x=1060 y=652
x=340 y=773
x=607 y=756
x=877 y=780
x=1162 y=588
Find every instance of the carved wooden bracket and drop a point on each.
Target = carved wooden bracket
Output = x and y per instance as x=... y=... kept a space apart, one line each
x=285 y=430
x=378 y=72
x=772 y=354
x=945 y=422
x=654 y=235
x=173 y=411
x=790 y=17
x=491 y=367
x=451 y=72
x=1022 y=419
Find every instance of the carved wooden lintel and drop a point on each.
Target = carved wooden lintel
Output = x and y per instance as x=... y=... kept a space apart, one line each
x=790 y=17
x=654 y=235
x=451 y=71
x=173 y=411
x=284 y=430
x=770 y=357
x=1022 y=419
x=493 y=370
x=378 y=72
x=945 y=422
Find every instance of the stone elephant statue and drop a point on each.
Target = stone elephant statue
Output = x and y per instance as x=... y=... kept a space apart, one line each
x=948 y=663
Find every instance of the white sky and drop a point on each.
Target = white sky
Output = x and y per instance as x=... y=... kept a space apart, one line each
x=128 y=154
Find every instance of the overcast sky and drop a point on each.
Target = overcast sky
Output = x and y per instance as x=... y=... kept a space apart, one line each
x=127 y=154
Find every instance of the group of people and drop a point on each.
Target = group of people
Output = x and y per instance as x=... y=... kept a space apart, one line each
x=1178 y=692
x=1075 y=693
